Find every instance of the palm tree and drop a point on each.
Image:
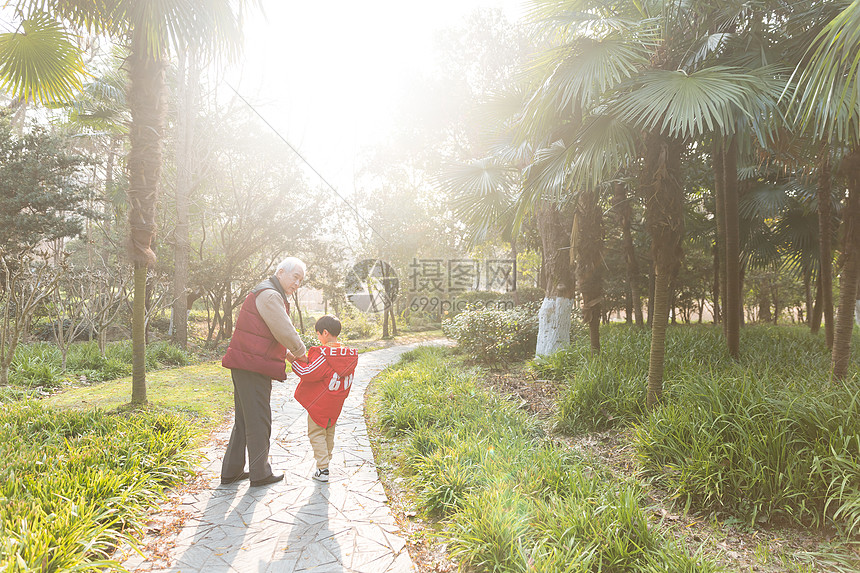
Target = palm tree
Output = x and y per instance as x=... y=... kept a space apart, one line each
x=150 y=34
x=628 y=68
x=828 y=103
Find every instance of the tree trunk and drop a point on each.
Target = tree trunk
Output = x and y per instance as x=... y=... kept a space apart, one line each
x=851 y=270
x=733 y=281
x=815 y=319
x=720 y=216
x=625 y=215
x=774 y=291
x=227 y=332
x=515 y=295
x=385 y=321
x=589 y=263
x=146 y=100
x=554 y=315
x=299 y=310
x=664 y=217
x=186 y=112
x=825 y=234
x=138 y=337
x=394 y=320
x=716 y=287
x=651 y=287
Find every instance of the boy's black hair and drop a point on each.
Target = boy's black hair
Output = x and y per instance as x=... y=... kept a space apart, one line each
x=330 y=323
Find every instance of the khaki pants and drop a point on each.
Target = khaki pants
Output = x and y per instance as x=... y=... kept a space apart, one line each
x=322 y=441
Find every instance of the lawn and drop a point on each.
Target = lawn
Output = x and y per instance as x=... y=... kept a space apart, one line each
x=202 y=390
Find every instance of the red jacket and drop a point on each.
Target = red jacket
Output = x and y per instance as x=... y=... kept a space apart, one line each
x=253 y=346
x=325 y=381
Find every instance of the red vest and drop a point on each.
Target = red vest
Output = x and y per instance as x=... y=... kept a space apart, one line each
x=253 y=347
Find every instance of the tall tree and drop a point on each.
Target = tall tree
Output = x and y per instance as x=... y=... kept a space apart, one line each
x=828 y=103
x=150 y=31
x=189 y=77
x=639 y=68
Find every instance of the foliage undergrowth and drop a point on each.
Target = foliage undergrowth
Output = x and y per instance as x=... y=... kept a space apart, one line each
x=74 y=485
x=511 y=501
x=495 y=336
x=40 y=364
x=768 y=437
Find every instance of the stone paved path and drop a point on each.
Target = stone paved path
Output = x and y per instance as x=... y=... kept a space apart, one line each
x=298 y=524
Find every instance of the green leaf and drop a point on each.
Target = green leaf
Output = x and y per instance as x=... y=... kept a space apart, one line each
x=40 y=62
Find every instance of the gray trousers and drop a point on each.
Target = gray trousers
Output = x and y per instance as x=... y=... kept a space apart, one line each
x=252 y=428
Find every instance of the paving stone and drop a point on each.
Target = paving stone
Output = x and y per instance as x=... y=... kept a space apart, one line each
x=298 y=524
x=284 y=563
x=313 y=557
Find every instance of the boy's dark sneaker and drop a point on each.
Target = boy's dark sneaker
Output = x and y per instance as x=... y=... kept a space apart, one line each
x=321 y=475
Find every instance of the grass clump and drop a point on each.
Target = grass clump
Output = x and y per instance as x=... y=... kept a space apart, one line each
x=509 y=500
x=40 y=364
x=768 y=437
x=759 y=450
x=74 y=485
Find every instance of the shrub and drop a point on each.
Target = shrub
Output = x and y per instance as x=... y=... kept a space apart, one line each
x=357 y=325
x=309 y=338
x=494 y=336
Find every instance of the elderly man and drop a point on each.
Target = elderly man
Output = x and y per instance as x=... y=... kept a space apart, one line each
x=255 y=357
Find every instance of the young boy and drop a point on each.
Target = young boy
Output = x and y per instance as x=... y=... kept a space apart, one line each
x=324 y=383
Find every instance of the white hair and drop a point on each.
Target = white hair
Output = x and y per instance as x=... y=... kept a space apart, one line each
x=290 y=263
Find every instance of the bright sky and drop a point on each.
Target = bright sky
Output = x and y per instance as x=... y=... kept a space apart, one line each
x=328 y=74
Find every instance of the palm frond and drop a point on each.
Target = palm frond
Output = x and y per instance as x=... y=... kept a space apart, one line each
x=705 y=47
x=759 y=247
x=481 y=194
x=690 y=105
x=827 y=92
x=40 y=61
x=764 y=201
x=797 y=232
x=604 y=146
x=579 y=72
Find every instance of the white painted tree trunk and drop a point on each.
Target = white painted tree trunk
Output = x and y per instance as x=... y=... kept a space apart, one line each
x=857 y=312
x=553 y=325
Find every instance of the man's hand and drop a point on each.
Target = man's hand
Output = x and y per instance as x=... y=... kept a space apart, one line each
x=302 y=358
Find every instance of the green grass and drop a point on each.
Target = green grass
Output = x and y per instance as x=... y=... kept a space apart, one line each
x=76 y=484
x=82 y=470
x=768 y=438
x=40 y=364
x=509 y=500
x=204 y=390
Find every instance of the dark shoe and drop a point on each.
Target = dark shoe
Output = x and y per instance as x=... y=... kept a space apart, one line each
x=240 y=477
x=274 y=478
x=321 y=475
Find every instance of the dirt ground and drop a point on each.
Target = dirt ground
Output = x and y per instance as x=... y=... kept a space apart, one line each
x=735 y=544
